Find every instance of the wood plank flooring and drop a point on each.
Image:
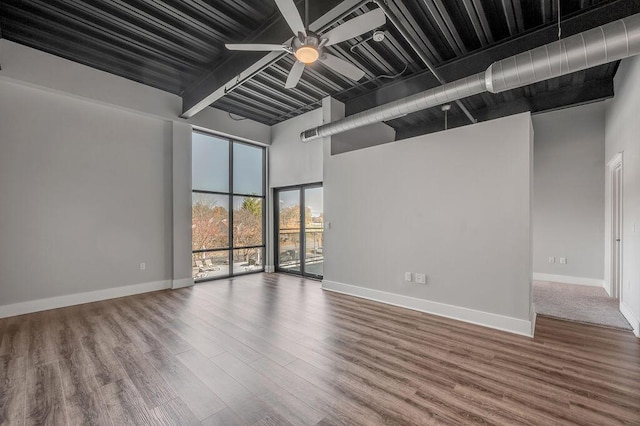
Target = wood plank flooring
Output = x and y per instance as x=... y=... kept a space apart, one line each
x=277 y=350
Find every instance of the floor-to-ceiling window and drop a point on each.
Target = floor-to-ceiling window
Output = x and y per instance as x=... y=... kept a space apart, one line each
x=299 y=231
x=228 y=181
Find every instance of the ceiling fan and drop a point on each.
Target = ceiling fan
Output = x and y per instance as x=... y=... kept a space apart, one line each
x=307 y=46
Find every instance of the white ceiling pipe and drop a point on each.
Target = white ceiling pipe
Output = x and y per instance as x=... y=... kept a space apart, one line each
x=611 y=42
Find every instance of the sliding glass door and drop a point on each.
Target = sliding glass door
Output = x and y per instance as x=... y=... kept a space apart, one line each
x=313 y=231
x=227 y=207
x=299 y=230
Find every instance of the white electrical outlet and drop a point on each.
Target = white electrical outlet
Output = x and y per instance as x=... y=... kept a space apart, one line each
x=563 y=260
x=143 y=266
x=421 y=278
x=552 y=259
x=408 y=276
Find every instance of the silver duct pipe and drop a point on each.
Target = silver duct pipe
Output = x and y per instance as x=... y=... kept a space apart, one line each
x=611 y=42
x=608 y=43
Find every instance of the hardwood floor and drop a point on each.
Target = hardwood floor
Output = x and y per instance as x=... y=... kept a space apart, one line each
x=277 y=350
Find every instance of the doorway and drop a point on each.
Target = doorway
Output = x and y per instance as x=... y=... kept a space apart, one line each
x=615 y=170
x=299 y=226
x=588 y=302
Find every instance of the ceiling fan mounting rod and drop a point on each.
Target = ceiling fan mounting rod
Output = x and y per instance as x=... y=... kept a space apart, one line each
x=394 y=20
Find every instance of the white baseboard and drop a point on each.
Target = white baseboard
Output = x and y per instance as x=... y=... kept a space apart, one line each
x=566 y=279
x=80 y=298
x=500 y=322
x=635 y=323
x=269 y=269
x=183 y=282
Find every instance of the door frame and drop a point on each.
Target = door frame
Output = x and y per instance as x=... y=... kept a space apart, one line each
x=613 y=165
x=276 y=229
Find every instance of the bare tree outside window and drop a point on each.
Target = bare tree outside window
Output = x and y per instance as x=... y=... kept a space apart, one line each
x=227 y=207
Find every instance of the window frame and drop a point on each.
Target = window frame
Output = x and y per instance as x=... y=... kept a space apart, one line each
x=231 y=246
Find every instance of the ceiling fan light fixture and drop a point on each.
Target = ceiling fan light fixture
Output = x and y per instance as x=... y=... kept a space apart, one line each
x=307 y=54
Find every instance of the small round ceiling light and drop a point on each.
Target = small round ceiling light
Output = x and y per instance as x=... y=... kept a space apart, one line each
x=307 y=54
x=378 y=36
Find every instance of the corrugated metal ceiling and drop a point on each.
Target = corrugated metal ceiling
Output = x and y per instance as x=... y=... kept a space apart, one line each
x=170 y=44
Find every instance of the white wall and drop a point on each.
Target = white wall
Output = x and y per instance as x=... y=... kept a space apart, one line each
x=86 y=196
x=623 y=135
x=568 y=171
x=454 y=205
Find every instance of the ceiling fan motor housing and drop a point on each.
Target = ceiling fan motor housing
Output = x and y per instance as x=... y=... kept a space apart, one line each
x=307 y=48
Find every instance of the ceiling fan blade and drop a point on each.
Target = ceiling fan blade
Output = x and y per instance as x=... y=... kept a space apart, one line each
x=254 y=47
x=294 y=75
x=291 y=15
x=354 y=27
x=343 y=67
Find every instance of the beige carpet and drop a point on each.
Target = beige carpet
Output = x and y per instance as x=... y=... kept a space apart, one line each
x=578 y=303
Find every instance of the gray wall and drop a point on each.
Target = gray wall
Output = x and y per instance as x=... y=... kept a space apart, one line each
x=362 y=137
x=454 y=205
x=86 y=196
x=568 y=173
x=59 y=75
x=292 y=162
x=90 y=165
x=623 y=135
x=181 y=173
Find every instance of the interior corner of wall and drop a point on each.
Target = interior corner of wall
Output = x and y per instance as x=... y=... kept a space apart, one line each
x=181 y=283
x=332 y=110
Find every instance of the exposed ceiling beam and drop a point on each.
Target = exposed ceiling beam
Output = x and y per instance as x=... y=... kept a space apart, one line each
x=399 y=9
x=242 y=65
x=448 y=29
x=510 y=17
x=592 y=91
x=481 y=59
x=476 y=14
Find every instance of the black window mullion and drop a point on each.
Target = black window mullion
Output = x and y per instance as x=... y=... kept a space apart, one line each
x=303 y=243
x=202 y=191
x=264 y=205
x=231 y=218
